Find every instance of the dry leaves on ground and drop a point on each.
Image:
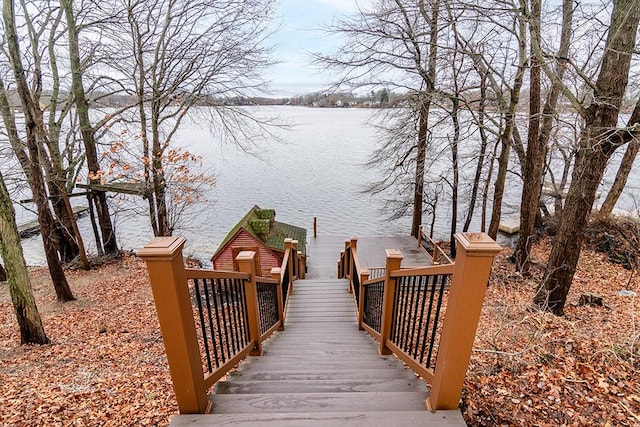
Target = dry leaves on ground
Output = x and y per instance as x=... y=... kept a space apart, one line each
x=106 y=363
x=533 y=368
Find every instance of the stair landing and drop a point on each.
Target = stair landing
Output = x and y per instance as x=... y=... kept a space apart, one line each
x=321 y=371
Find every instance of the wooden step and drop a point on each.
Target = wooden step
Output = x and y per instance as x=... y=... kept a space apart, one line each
x=318 y=402
x=304 y=375
x=236 y=386
x=328 y=419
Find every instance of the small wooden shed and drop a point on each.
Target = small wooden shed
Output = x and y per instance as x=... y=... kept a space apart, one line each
x=258 y=231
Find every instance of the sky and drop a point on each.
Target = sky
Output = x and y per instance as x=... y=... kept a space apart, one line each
x=299 y=33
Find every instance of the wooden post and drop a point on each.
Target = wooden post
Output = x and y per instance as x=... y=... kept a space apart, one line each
x=394 y=260
x=341 y=265
x=420 y=236
x=315 y=227
x=247 y=264
x=353 y=252
x=296 y=261
x=302 y=265
x=287 y=250
x=468 y=285
x=363 y=278
x=277 y=275
x=163 y=256
x=347 y=258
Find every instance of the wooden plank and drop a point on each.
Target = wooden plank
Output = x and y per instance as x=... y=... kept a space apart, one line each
x=309 y=375
x=318 y=402
x=353 y=419
x=321 y=386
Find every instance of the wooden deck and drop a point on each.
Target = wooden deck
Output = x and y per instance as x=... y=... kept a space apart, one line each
x=321 y=370
x=323 y=252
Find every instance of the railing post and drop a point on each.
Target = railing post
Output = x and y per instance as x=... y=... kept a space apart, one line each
x=341 y=265
x=363 y=278
x=394 y=260
x=347 y=258
x=420 y=236
x=468 y=285
x=353 y=249
x=247 y=264
x=276 y=274
x=163 y=256
x=296 y=261
x=287 y=250
x=302 y=265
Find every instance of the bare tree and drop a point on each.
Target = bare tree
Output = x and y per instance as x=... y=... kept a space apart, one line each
x=184 y=53
x=87 y=129
x=540 y=128
x=394 y=44
x=35 y=140
x=24 y=304
x=598 y=141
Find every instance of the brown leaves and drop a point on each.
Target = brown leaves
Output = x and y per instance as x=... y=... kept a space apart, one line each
x=533 y=368
x=118 y=377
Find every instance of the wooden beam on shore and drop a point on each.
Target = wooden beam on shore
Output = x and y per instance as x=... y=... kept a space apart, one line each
x=32 y=228
x=135 y=188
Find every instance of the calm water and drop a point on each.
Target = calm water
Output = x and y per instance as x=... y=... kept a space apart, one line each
x=315 y=171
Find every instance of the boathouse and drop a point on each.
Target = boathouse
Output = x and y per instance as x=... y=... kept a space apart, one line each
x=259 y=232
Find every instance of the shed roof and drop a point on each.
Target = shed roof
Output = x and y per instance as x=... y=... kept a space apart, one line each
x=261 y=224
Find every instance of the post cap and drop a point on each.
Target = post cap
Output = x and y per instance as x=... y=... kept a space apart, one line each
x=245 y=256
x=162 y=248
x=478 y=244
x=394 y=253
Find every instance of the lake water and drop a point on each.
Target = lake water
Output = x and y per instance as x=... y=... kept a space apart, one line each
x=316 y=170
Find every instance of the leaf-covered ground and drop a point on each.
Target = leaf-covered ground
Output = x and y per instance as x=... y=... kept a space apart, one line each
x=106 y=363
x=533 y=368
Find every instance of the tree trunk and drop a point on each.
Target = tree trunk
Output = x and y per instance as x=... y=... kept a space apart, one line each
x=32 y=114
x=483 y=152
x=24 y=304
x=535 y=157
x=621 y=178
x=421 y=155
x=87 y=131
x=454 y=161
x=507 y=136
x=598 y=142
x=538 y=137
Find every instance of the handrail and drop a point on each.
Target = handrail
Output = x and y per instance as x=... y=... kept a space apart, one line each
x=210 y=320
x=427 y=316
x=436 y=252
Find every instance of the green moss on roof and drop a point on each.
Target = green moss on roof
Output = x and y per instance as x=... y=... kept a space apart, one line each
x=261 y=224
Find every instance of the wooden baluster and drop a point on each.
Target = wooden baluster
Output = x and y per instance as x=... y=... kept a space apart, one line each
x=294 y=252
x=163 y=256
x=247 y=264
x=287 y=250
x=468 y=285
x=353 y=253
x=363 y=278
x=276 y=274
x=394 y=261
x=302 y=263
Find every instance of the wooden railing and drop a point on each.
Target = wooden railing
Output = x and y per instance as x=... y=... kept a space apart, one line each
x=432 y=249
x=426 y=316
x=210 y=320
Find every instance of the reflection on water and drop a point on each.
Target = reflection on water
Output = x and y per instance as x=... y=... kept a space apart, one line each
x=315 y=171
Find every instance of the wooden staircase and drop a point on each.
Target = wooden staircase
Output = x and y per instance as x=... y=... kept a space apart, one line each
x=321 y=370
